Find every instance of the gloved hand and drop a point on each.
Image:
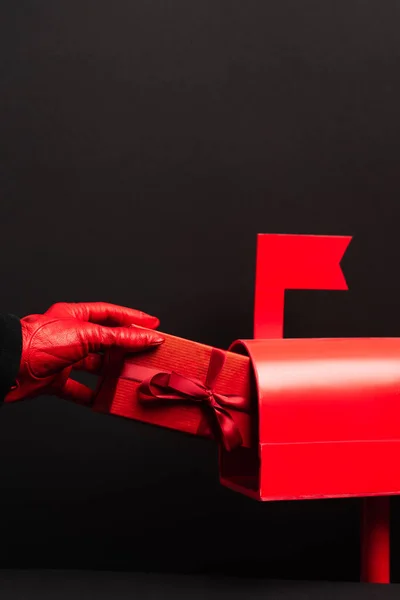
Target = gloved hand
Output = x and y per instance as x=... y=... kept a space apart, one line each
x=72 y=336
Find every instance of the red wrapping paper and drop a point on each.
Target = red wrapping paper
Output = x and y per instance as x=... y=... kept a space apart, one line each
x=185 y=386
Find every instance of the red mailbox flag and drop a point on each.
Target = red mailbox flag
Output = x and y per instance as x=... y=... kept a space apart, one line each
x=293 y=262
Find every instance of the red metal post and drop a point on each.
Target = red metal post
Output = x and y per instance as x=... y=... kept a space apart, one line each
x=375 y=540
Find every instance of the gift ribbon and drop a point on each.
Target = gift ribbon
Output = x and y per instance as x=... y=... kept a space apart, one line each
x=172 y=387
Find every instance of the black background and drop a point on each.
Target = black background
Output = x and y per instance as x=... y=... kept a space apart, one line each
x=143 y=146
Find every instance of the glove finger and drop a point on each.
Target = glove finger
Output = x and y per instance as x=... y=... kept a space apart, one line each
x=76 y=392
x=97 y=338
x=93 y=363
x=103 y=313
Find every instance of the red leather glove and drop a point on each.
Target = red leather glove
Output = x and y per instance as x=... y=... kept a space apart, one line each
x=71 y=336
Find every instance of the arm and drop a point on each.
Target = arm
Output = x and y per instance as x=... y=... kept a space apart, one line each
x=10 y=352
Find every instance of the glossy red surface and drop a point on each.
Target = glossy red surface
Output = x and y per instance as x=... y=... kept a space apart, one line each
x=329 y=417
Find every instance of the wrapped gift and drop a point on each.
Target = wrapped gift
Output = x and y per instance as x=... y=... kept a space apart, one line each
x=182 y=385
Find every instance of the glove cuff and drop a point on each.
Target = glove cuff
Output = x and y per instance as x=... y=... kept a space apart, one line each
x=10 y=352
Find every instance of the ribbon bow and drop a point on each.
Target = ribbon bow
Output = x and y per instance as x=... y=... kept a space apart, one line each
x=178 y=388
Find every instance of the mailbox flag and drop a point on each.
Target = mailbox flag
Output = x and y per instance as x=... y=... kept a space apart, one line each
x=293 y=262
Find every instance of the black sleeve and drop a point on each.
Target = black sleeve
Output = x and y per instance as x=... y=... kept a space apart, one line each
x=10 y=352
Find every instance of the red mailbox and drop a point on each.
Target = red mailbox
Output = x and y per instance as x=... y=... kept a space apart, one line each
x=328 y=420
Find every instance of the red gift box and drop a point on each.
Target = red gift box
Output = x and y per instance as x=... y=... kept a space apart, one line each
x=182 y=385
